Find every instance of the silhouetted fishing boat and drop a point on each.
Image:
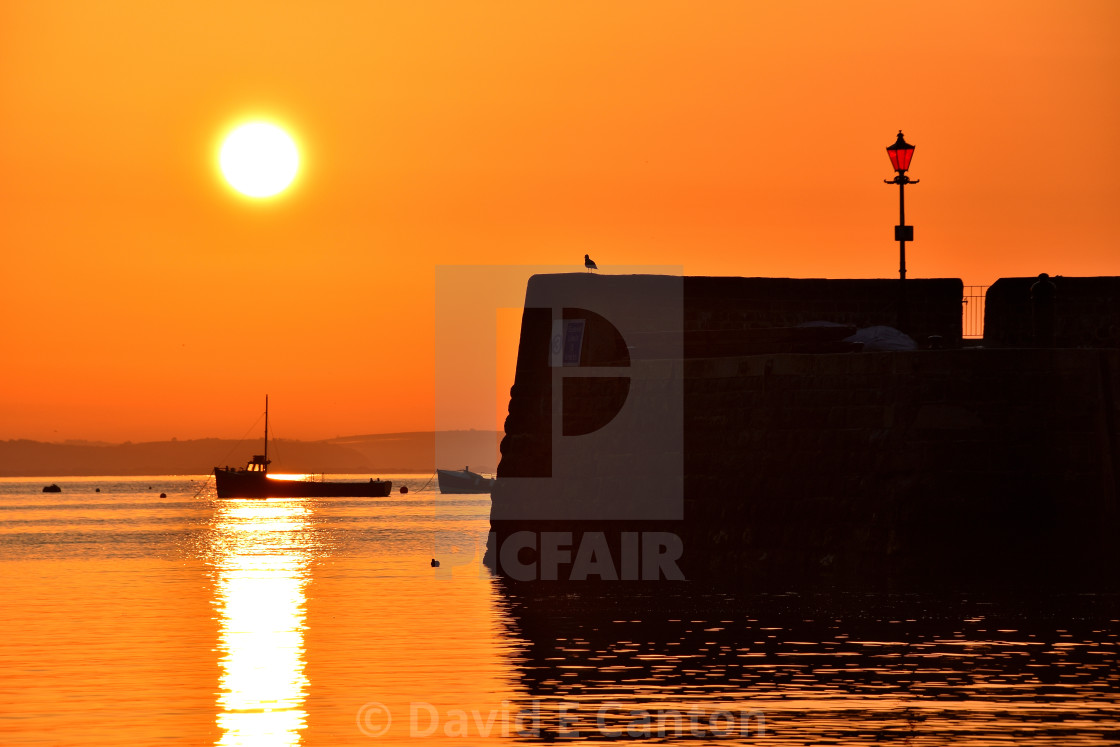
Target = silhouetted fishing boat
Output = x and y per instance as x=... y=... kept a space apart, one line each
x=463 y=481
x=253 y=481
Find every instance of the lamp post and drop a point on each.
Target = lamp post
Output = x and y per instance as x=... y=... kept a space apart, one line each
x=900 y=154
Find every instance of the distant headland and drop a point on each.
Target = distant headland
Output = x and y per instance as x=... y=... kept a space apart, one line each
x=411 y=452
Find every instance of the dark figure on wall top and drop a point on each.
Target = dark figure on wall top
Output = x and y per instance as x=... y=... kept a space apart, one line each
x=1042 y=310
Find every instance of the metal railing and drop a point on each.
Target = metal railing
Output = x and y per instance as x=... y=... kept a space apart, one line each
x=972 y=310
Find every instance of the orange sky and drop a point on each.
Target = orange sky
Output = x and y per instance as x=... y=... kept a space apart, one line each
x=143 y=300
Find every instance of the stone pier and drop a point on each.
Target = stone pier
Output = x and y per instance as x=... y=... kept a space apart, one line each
x=784 y=457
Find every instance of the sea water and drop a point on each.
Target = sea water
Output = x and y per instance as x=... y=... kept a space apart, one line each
x=131 y=618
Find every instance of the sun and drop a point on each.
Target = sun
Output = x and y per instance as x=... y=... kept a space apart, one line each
x=259 y=159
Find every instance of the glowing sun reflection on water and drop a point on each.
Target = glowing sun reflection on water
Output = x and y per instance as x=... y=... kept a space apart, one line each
x=262 y=552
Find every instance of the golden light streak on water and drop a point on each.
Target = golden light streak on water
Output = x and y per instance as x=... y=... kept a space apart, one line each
x=262 y=553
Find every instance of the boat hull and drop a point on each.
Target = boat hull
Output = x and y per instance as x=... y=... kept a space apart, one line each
x=241 y=484
x=463 y=481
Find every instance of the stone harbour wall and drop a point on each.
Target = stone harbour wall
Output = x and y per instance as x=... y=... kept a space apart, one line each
x=932 y=306
x=905 y=469
x=1086 y=313
x=927 y=469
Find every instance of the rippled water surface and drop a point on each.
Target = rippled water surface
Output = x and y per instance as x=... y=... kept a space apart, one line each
x=128 y=618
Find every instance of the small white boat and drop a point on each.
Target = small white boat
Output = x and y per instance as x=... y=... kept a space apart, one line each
x=463 y=481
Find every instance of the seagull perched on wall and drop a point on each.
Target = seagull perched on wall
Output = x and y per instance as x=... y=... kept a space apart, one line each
x=589 y=263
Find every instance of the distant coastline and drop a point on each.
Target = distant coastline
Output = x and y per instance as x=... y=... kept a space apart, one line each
x=412 y=452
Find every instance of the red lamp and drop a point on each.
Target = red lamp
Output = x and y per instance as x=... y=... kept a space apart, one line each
x=900 y=154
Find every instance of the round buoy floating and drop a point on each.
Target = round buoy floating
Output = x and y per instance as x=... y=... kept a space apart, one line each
x=163 y=495
x=97 y=490
x=404 y=489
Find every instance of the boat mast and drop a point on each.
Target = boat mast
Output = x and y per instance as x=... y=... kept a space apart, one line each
x=266 y=433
